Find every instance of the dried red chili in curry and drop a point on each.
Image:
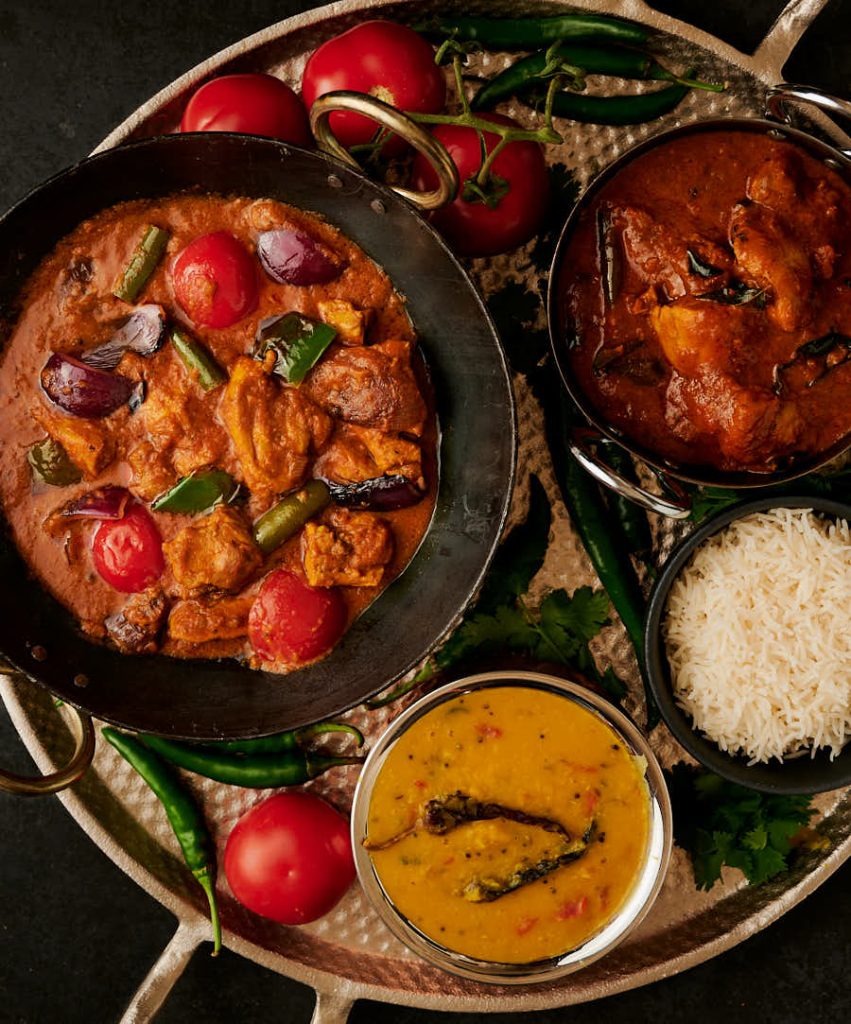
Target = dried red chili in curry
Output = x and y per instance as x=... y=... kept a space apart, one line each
x=705 y=296
x=214 y=405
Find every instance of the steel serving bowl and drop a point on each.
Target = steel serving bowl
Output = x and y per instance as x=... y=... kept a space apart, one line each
x=675 y=501
x=799 y=774
x=214 y=699
x=637 y=903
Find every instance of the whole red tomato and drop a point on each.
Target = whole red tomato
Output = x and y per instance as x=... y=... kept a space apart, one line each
x=290 y=858
x=293 y=622
x=381 y=58
x=521 y=191
x=128 y=552
x=256 y=104
x=215 y=280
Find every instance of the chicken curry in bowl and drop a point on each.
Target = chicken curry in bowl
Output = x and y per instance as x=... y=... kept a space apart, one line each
x=218 y=437
x=704 y=299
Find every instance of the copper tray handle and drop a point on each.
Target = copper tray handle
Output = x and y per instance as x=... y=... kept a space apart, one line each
x=400 y=124
x=780 y=95
x=677 y=506
x=84 y=751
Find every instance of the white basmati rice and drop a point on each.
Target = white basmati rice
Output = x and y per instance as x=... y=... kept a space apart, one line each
x=758 y=638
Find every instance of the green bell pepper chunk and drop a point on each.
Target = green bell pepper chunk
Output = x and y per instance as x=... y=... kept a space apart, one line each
x=197 y=492
x=297 y=341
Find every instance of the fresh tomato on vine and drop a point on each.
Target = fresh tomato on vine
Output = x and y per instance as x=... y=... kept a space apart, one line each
x=386 y=60
x=496 y=211
x=254 y=103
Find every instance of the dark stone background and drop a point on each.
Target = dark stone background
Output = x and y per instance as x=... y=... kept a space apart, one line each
x=76 y=935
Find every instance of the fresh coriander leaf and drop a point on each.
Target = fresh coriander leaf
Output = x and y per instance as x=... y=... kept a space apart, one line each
x=718 y=823
x=507 y=628
x=517 y=313
x=756 y=839
x=613 y=685
x=520 y=555
x=583 y=615
x=782 y=830
x=709 y=855
x=709 y=501
x=765 y=864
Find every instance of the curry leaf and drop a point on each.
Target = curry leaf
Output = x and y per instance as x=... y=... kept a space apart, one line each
x=821 y=346
x=699 y=266
x=736 y=294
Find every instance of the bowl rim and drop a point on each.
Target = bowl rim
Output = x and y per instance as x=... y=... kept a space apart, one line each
x=800 y=775
x=636 y=905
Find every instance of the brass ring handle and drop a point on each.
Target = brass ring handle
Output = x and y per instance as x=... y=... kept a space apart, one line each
x=779 y=95
x=84 y=752
x=678 y=506
x=400 y=124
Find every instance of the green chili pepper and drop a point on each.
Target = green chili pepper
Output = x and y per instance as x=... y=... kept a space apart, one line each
x=198 y=360
x=297 y=342
x=291 y=513
x=50 y=464
x=143 y=263
x=284 y=741
x=524 y=74
x=183 y=814
x=617 y=109
x=260 y=771
x=631 y=517
x=606 y=547
x=197 y=492
x=529 y=33
x=400 y=689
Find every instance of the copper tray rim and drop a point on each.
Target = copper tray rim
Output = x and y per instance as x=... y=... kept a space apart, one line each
x=336 y=994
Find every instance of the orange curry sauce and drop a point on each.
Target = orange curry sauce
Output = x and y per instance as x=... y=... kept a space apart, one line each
x=68 y=306
x=705 y=296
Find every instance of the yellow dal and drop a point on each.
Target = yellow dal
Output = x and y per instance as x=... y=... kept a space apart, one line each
x=532 y=751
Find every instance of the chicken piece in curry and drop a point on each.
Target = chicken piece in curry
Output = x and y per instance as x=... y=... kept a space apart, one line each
x=705 y=297
x=215 y=423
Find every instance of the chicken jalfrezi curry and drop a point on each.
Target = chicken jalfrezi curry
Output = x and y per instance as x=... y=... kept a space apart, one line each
x=217 y=431
x=706 y=301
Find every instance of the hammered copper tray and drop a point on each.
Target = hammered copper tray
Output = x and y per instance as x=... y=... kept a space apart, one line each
x=349 y=954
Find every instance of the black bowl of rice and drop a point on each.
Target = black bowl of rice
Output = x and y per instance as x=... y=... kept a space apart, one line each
x=748 y=644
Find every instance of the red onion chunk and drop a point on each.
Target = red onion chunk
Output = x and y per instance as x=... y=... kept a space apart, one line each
x=102 y=503
x=380 y=494
x=144 y=332
x=290 y=257
x=83 y=390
